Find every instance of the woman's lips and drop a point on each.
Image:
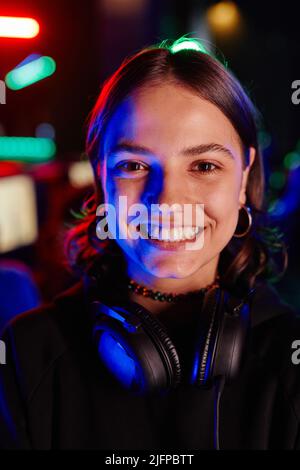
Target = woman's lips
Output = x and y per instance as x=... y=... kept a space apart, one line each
x=172 y=246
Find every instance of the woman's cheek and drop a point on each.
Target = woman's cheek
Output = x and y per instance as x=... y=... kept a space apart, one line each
x=124 y=197
x=221 y=214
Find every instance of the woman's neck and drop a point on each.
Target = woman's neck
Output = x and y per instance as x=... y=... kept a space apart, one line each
x=202 y=278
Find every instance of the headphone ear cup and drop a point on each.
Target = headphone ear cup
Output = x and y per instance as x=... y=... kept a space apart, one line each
x=146 y=344
x=233 y=337
x=221 y=340
x=163 y=343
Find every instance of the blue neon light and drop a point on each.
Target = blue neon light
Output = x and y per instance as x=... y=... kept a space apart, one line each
x=113 y=313
x=195 y=368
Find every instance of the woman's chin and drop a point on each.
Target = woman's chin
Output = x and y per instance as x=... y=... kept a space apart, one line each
x=170 y=267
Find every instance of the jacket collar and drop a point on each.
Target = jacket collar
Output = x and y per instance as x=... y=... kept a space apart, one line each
x=265 y=302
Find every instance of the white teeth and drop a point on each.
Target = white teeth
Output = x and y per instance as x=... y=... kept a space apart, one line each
x=173 y=234
x=189 y=232
x=155 y=232
x=178 y=233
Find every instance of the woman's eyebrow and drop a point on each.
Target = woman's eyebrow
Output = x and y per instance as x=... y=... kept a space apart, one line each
x=203 y=148
x=131 y=147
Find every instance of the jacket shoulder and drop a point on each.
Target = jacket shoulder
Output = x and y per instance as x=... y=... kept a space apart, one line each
x=276 y=342
x=267 y=304
x=35 y=339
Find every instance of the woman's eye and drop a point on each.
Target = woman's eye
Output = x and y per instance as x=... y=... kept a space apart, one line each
x=130 y=166
x=206 y=167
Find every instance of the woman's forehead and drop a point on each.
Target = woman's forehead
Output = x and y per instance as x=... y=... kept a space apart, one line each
x=166 y=115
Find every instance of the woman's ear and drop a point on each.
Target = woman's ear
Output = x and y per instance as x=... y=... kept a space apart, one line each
x=252 y=154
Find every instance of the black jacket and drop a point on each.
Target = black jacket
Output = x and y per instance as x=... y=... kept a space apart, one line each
x=55 y=393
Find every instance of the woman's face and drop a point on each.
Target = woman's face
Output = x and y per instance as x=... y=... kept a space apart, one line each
x=166 y=145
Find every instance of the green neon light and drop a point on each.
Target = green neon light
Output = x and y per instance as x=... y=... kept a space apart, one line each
x=183 y=43
x=277 y=207
x=277 y=180
x=188 y=44
x=27 y=149
x=292 y=160
x=32 y=72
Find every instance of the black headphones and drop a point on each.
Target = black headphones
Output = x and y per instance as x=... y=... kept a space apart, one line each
x=136 y=348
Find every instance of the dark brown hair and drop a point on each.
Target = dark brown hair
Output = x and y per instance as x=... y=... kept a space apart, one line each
x=242 y=259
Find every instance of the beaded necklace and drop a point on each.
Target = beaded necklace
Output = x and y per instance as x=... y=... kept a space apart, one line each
x=133 y=286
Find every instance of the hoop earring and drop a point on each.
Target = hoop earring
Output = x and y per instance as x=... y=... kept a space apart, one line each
x=248 y=212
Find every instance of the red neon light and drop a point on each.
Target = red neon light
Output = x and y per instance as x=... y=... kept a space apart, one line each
x=18 y=27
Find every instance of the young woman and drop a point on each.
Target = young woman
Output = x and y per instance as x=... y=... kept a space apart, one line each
x=136 y=355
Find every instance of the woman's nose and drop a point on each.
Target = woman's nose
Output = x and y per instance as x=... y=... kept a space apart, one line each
x=165 y=191
x=164 y=197
x=165 y=206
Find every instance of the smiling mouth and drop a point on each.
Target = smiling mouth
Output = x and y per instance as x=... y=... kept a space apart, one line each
x=172 y=235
